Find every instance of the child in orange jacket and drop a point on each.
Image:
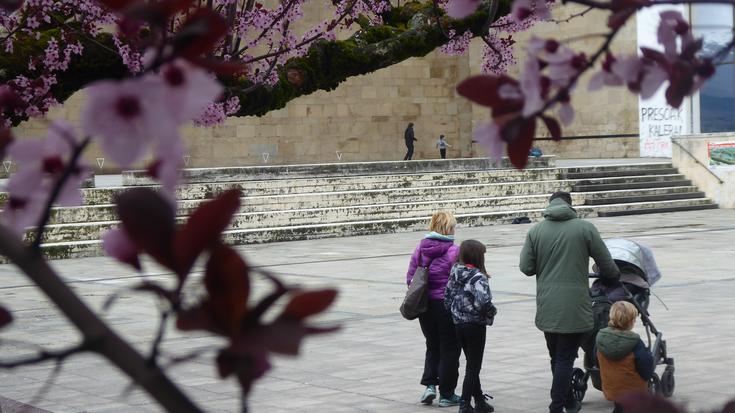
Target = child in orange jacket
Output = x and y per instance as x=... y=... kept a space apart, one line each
x=626 y=365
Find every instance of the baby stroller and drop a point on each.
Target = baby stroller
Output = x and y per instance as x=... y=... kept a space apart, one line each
x=638 y=272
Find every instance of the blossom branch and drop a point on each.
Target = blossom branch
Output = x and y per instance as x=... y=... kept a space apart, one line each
x=103 y=339
x=71 y=167
x=45 y=355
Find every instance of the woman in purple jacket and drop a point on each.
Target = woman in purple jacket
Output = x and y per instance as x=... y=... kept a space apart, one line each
x=441 y=366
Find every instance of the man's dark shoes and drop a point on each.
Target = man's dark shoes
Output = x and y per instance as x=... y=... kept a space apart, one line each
x=465 y=407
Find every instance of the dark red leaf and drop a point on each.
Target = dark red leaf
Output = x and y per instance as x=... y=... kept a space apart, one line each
x=228 y=284
x=10 y=101
x=157 y=289
x=519 y=134
x=690 y=50
x=149 y=221
x=282 y=336
x=5 y=317
x=681 y=82
x=199 y=34
x=6 y=138
x=10 y=5
x=483 y=89
x=644 y=402
x=203 y=228
x=553 y=126
x=118 y=5
x=656 y=56
x=196 y=318
x=305 y=304
x=618 y=19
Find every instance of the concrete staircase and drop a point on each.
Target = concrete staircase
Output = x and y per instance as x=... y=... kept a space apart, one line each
x=283 y=203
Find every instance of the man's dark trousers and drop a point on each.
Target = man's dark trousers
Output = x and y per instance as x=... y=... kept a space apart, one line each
x=409 y=153
x=563 y=350
x=443 y=153
x=441 y=366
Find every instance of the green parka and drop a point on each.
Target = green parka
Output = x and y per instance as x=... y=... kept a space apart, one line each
x=557 y=252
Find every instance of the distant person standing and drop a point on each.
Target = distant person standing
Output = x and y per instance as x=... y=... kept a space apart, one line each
x=442 y=145
x=408 y=135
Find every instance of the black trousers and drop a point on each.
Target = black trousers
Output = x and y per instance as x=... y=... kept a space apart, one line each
x=441 y=365
x=409 y=153
x=443 y=153
x=472 y=339
x=563 y=350
x=618 y=408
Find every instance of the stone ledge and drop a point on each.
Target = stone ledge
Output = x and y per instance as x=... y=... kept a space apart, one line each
x=248 y=173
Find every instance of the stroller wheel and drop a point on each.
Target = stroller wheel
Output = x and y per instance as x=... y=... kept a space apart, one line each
x=654 y=385
x=667 y=381
x=579 y=384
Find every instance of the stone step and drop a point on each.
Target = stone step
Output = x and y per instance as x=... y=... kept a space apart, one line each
x=88 y=231
x=630 y=185
x=659 y=210
x=279 y=172
x=644 y=198
x=107 y=212
x=609 y=174
x=91 y=248
x=617 y=167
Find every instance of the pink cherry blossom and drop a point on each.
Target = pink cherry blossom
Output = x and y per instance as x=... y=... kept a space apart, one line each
x=488 y=135
x=41 y=164
x=188 y=90
x=531 y=87
x=523 y=9
x=125 y=116
x=673 y=26
x=460 y=9
x=116 y=243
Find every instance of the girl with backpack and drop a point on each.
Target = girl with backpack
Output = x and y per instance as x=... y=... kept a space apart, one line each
x=469 y=299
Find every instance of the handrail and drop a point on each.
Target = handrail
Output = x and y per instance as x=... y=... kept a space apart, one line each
x=698 y=161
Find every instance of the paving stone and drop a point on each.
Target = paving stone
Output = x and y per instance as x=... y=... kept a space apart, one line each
x=373 y=364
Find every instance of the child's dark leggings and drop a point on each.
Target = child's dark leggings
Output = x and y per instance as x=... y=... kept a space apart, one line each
x=472 y=339
x=618 y=408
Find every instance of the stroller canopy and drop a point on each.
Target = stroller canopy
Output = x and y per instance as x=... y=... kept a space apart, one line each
x=636 y=254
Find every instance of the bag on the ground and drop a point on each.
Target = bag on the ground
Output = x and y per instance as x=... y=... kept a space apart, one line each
x=416 y=301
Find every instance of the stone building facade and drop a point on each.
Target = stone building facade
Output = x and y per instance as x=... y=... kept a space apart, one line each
x=364 y=118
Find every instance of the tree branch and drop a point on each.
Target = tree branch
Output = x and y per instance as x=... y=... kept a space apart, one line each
x=102 y=339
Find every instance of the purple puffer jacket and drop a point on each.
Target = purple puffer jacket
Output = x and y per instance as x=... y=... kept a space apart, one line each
x=444 y=255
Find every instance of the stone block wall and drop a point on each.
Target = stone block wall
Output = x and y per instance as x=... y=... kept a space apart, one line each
x=364 y=118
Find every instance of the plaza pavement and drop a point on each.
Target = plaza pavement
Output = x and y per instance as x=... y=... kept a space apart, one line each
x=374 y=363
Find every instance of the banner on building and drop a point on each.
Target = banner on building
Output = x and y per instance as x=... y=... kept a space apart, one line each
x=657 y=121
x=721 y=154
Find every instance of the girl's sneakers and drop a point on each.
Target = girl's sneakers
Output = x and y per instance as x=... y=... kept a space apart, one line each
x=449 y=402
x=429 y=394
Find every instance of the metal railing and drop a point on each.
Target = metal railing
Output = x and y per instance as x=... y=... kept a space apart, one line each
x=698 y=161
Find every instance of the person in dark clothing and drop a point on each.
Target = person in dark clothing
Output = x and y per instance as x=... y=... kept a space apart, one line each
x=469 y=299
x=409 y=137
x=557 y=251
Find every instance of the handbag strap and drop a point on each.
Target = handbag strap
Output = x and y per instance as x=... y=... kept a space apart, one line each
x=422 y=256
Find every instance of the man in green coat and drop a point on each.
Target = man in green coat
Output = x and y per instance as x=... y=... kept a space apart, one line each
x=557 y=252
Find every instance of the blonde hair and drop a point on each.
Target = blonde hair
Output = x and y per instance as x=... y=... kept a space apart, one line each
x=622 y=315
x=443 y=222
